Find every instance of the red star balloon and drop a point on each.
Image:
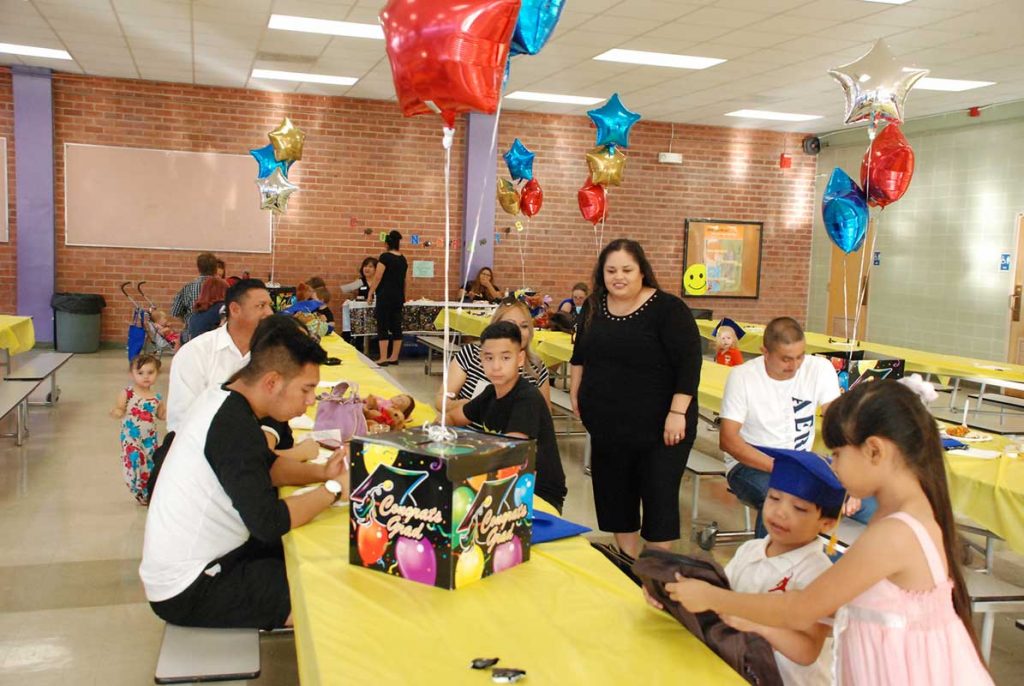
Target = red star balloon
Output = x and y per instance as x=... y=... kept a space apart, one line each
x=593 y=201
x=532 y=198
x=448 y=57
x=887 y=167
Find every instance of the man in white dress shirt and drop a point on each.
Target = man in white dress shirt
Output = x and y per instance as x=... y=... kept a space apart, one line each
x=210 y=359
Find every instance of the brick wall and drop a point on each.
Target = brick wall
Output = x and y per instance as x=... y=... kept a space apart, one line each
x=364 y=166
x=8 y=250
x=726 y=174
x=367 y=167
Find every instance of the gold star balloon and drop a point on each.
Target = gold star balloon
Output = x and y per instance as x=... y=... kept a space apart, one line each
x=287 y=140
x=274 y=192
x=606 y=165
x=875 y=85
x=508 y=196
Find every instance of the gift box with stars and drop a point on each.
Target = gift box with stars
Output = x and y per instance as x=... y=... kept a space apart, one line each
x=444 y=514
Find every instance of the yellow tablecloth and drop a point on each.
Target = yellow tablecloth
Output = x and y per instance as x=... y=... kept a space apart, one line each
x=16 y=333
x=990 y=491
x=917 y=360
x=472 y=324
x=566 y=616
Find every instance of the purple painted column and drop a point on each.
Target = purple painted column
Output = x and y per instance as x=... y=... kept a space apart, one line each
x=479 y=196
x=33 y=169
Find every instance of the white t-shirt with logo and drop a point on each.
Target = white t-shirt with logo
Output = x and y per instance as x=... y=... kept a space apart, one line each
x=778 y=414
x=752 y=571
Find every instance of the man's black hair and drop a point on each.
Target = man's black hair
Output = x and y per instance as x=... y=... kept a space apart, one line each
x=280 y=345
x=238 y=290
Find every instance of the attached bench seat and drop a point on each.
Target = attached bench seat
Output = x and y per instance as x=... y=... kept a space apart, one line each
x=433 y=344
x=39 y=368
x=189 y=655
x=14 y=398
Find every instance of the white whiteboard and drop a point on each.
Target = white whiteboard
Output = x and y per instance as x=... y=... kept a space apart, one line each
x=162 y=200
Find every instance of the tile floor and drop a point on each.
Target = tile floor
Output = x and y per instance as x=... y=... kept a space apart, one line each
x=72 y=610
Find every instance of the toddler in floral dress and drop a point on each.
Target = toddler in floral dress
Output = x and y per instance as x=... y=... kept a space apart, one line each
x=138 y=407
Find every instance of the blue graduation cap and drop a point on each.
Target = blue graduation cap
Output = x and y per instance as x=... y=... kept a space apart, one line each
x=740 y=333
x=548 y=527
x=806 y=475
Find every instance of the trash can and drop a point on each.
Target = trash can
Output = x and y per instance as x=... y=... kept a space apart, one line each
x=76 y=321
x=699 y=313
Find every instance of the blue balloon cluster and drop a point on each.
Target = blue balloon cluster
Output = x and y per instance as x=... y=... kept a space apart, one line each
x=613 y=122
x=537 y=20
x=844 y=210
x=520 y=161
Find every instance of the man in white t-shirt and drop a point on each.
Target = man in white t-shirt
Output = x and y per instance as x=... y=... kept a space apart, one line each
x=211 y=358
x=772 y=401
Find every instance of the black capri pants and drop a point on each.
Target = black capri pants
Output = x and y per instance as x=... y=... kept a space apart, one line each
x=389 y=320
x=628 y=474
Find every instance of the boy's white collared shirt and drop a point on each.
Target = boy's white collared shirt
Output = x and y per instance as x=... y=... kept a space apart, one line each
x=752 y=571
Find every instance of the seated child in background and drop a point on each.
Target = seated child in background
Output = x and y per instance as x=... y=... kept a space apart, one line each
x=163 y=327
x=388 y=414
x=727 y=335
x=804 y=500
x=513 y=407
x=138 y=407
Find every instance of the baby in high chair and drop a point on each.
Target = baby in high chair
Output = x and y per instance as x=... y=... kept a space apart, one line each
x=727 y=335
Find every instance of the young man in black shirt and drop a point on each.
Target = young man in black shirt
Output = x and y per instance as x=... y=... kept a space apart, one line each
x=513 y=407
x=212 y=554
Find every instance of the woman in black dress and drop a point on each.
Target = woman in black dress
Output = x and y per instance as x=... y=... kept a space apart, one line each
x=635 y=371
x=389 y=289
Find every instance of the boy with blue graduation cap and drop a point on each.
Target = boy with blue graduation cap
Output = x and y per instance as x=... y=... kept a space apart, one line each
x=727 y=335
x=804 y=500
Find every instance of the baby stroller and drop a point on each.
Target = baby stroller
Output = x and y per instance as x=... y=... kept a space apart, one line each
x=143 y=335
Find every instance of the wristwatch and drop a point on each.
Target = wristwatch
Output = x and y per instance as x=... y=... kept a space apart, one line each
x=334 y=488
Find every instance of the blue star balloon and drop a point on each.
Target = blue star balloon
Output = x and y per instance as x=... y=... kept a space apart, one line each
x=268 y=163
x=844 y=210
x=613 y=122
x=519 y=161
x=537 y=20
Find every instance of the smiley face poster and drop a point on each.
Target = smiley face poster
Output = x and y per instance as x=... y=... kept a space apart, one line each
x=722 y=258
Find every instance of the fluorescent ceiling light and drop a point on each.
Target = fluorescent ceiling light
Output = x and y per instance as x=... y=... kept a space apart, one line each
x=658 y=59
x=299 y=76
x=889 y=2
x=287 y=22
x=774 y=116
x=32 y=51
x=954 y=85
x=554 y=97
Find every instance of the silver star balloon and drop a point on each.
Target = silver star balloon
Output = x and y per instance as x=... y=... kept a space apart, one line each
x=274 y=191
x=875 y=85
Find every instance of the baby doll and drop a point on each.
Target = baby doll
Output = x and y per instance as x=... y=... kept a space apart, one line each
x=388 y=414
x=727 y=335
x=162 y=324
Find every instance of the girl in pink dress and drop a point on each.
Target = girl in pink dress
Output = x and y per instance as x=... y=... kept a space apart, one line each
x=902 y=614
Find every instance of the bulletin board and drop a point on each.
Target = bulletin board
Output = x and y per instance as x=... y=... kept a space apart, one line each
x=162 y=200
x=731 y=253
x=6 y=201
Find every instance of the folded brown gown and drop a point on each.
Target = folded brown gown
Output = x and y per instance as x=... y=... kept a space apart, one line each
x=748 y=653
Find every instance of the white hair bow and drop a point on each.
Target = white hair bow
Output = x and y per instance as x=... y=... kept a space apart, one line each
x=925 y=390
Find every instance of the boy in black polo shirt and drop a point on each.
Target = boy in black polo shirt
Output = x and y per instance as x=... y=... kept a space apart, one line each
x=513 y=407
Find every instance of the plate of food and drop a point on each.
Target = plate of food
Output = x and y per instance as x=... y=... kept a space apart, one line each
x=964 y=434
